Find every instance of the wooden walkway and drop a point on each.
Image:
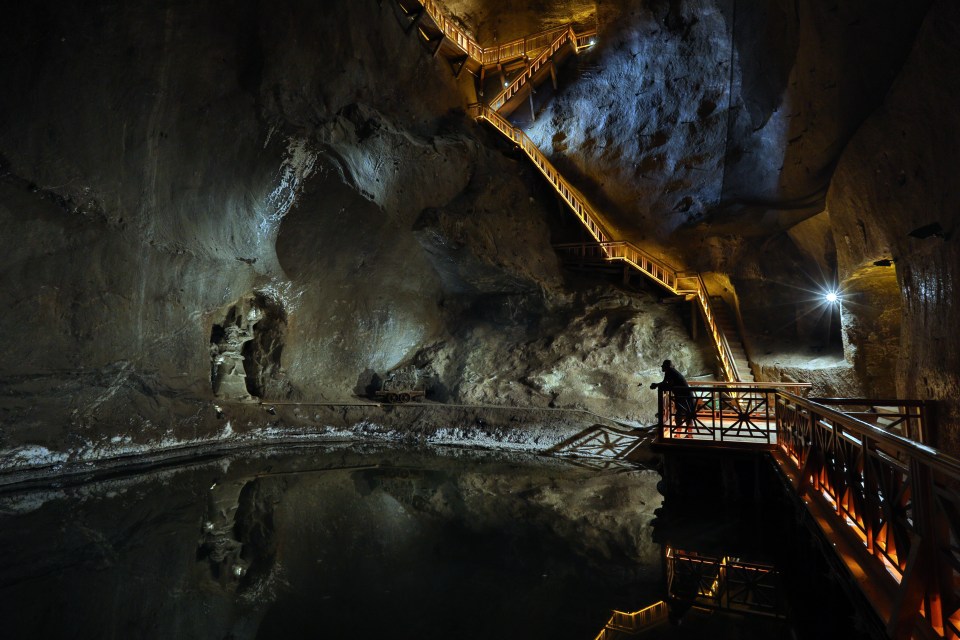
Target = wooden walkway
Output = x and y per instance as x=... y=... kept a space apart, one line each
x=888 y=504
x=537 y=53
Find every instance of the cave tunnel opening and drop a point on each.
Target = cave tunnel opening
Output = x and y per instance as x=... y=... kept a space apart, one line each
x=246 y=348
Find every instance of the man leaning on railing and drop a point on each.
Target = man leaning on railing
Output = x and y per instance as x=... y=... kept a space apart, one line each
x=684 y=401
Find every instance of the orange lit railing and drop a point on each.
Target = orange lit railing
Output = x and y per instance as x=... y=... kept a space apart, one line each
x=889 y=504
x=634 y=622
x=897 y=496
x=722 y=413
x=525 y=47
x=905 y=418
x=561 y=39
x=451 y=30
x=513 y=50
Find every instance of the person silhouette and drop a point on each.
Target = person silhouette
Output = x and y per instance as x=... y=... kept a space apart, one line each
x=683 y=400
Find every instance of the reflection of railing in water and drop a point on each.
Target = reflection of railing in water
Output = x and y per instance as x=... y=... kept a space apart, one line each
x=887 y=503
x=726 y=583
x=634 y=622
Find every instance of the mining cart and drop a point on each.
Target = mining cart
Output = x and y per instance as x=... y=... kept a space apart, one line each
x=399 y=395
x=398 y=389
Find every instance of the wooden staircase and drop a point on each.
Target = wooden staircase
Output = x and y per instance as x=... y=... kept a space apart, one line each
x=727 y=323
x=444 y=36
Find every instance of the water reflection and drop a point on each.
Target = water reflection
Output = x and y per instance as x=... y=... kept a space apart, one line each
x=706 y=589
x=364 y=542
x=340 y=542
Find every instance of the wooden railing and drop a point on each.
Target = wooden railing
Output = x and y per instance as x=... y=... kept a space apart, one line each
x=451 y=30
x=729 y=414
x=907 y=418
x=898 y=497
x=727 y=362
x=888 y=503
x=560 y=40
x=634 y=622
x=652 y=267
x=522 y=47
x=498 y=54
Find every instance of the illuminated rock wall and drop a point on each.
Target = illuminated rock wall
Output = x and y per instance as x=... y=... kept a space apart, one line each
x=210 y=204
x=165 y=170
x=894 y=197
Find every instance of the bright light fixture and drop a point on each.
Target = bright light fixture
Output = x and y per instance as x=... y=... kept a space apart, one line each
x=506 y=84
x=832 y=297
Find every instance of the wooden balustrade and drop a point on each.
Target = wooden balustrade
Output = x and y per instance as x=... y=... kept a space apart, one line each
x=735 y=416
x=907 y=418
x=889 y=501
x=898 y=497
x=532 y=69
x=498 y=54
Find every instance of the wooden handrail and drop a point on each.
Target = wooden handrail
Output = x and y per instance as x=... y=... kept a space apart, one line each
x=533 y=68
x=887 y=502
x=936 y=460
x=612 y=249
x=519 y=48
x=750 y=385
x=900 y=498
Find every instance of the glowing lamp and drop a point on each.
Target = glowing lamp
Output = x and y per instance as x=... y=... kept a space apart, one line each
x=832 y=297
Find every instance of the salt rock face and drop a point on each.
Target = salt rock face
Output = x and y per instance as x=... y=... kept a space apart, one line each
x=598 y=350
x=893 y=200
x=213 y=203
x=692 y=111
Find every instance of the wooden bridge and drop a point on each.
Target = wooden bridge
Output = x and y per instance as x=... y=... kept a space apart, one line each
x=884 y=499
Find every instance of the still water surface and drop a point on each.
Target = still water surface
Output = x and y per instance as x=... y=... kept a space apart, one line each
x=356 y=541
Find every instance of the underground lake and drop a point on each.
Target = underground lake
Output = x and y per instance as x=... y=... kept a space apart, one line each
x=368 y=541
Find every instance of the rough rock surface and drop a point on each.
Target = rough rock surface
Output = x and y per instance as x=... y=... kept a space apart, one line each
x=212 y=203
x=894 y=200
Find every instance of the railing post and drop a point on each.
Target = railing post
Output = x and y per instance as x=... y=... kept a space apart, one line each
x=919 y=586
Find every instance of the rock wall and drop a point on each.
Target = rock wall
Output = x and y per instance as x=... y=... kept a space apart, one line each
x=893 y=201
x=210 y=204
x=703 y=111
x=225 y=202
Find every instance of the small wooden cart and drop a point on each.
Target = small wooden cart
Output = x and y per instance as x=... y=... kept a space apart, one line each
x=399 y=395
